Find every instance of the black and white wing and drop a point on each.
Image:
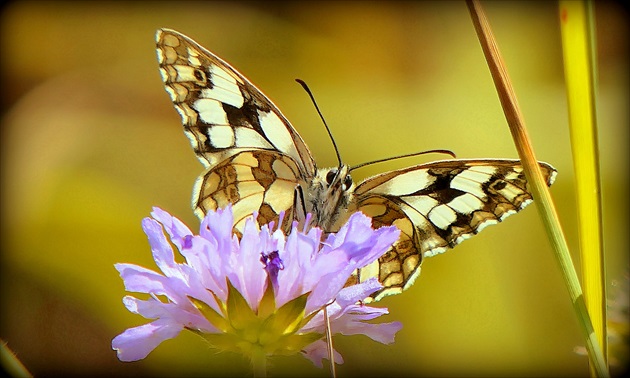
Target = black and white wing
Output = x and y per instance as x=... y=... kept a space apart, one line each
x=254 y=158
x=256 y=161
x=437 y=206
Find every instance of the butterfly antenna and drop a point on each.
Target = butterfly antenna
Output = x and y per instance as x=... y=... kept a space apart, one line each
x=303 y=84
x=448 y=152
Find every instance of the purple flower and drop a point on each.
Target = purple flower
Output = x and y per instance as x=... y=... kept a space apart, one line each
x=260 y=295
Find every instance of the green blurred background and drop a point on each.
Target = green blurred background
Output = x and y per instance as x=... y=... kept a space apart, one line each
x=90 y=142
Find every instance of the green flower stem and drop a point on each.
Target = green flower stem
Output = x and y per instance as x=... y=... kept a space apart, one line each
x=11 y=364
x=538 y=186
x=259 y=362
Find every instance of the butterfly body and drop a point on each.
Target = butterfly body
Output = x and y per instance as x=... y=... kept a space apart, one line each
x=257 y=162
x=330 y=194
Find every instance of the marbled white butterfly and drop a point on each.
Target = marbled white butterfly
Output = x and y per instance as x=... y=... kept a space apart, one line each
x=257 y=161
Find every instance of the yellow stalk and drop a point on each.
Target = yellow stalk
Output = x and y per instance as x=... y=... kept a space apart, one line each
x=576 y=25
x=538 y=186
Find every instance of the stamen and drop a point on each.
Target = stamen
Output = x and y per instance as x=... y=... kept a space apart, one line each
x=272 y=262
x=187 y=242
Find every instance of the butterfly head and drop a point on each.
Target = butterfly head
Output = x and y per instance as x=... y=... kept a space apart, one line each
x=338 y=179
x=330 y=192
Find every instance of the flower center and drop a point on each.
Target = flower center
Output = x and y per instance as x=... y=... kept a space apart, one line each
x=272 y=262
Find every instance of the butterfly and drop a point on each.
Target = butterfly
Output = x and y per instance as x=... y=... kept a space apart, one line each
x=255 y=160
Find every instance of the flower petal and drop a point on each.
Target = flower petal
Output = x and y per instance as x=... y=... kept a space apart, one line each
x=352 y=322
x=160 y=247
x=136 y=343
x=247 y=272
x=298 y=276
x=363 y=244
x=352 y=294
x=187 y=316
x=176 y=229
x=382 y=332
x=359 y=245
x=141 y=280
x=306 y=270
x=217 y=225
x=317 y=351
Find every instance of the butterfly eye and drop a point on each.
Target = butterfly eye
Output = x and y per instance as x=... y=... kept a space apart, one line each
x=330 y=176
x=347 y=182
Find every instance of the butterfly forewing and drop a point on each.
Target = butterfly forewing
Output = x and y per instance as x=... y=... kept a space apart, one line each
x=257 y=162
x=221 y=110
x=226 y=119
x=437 y=206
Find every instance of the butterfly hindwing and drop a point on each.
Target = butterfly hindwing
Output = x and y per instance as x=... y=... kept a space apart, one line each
x=261 y=181
x=437 y=206
x=401 y=263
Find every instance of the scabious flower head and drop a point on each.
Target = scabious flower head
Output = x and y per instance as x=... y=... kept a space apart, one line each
x=260 y=295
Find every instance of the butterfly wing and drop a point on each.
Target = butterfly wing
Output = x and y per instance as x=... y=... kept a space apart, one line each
x=240 y=136
x=257 y=161
x=256 y=180
x=437 y=206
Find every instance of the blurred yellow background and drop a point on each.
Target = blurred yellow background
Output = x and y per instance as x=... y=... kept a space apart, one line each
x=90 y=142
